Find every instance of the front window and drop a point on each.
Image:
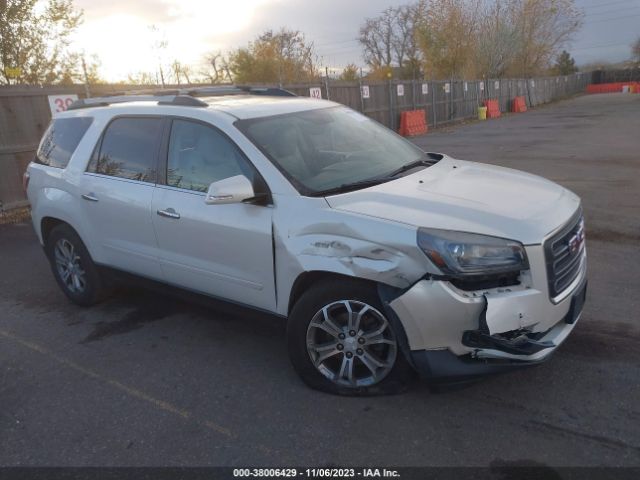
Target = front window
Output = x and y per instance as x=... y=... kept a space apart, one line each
x=332 y=149
x=200 y=155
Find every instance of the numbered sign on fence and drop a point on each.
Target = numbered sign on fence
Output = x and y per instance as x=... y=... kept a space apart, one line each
x=315 y=92
x=425 y=89
x=533 y=83
x=496 y=85
x=400 y=90
x=365 y=91
x=482 y=86
x=466 y=87
x=59 y=103
x=447 y=87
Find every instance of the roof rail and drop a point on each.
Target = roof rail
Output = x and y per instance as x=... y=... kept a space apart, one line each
x=163 y=99
x=179 y=97
x=267 y=91
x=219 y=90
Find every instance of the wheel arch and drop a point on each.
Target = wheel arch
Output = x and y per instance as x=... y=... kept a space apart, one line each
x=386 y=294
x=307 y=278
x=47 y=224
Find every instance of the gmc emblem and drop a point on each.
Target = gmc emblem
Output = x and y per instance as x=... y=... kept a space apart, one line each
x=577 y=240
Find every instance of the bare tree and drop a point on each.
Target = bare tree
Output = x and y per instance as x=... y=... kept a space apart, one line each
x=141 y=78
x=181 y=72
x=495 y=52
x=159 y=45
x=376 y=36
x=406 y=47
x=217 y=68
x=635 y=51
x=389 y=40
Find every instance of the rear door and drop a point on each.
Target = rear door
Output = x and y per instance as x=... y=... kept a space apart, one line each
x=117 y=190
x=222 y=250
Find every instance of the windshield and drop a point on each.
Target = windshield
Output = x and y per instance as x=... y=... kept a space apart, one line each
x=321 y=151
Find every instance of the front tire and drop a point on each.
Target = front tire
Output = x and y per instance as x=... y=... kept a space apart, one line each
x=341 y=342
x=72 y=267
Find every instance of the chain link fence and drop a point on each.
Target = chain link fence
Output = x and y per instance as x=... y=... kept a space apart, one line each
x=444 y=101
x=25 y=111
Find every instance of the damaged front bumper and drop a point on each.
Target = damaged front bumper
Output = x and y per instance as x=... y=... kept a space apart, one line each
x=454 y=335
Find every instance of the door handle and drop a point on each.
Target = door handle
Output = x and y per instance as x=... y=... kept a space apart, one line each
x=90 y=196
x=169 y=213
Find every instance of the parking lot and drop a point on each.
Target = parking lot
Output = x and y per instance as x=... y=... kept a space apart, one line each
x=149 y=379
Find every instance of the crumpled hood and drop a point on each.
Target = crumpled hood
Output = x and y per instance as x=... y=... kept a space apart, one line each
x=470 y=197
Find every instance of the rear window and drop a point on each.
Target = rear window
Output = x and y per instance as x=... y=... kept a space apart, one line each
x=60 y=141
x=129 y=149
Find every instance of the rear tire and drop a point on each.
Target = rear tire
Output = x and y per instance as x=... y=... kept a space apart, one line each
x=340 y=341
x=73 y=268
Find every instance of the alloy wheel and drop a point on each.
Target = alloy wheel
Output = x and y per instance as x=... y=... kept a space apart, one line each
x=351 y=343
x=68 y=266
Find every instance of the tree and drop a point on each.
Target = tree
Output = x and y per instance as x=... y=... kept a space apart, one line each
x=74 y=69
x=635 y=51
x=92 y=66
x=544 y=26
x=142 y=78
x=565 y=64
x=494 y=48
x=351 y=73
x=275 y=57
x=389 y=40
x=181 y=72
x=216 y=69
x=447 y=37
x=34 y=37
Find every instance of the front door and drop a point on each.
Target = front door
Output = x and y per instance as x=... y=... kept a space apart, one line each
x=221 y=250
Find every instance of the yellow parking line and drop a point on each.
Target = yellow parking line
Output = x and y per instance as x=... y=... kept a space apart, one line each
x=160 y=404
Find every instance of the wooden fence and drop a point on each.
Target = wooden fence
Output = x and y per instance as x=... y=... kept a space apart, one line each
x=25 y=113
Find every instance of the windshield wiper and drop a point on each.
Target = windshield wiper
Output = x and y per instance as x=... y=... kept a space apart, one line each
x=348 y=187
x=409 y=166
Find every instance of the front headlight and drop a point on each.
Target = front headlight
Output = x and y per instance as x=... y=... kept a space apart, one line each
x=463 y=254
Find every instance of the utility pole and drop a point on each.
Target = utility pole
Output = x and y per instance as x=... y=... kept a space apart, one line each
x=86 y=78
x=361 y=97
x=326 y=78
x=161 y=72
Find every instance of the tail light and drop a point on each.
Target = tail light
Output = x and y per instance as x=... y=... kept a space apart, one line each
x=25 y=180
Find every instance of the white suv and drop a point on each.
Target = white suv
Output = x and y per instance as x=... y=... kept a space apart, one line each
x=383 y=258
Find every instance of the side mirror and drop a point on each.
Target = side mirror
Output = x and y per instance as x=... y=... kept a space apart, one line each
x=229 y=190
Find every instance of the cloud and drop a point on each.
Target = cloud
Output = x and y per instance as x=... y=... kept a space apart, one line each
x=117 y=30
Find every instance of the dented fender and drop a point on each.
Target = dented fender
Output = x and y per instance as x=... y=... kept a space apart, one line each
x=347 y=244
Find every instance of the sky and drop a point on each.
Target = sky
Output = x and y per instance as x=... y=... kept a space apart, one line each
x=119 y=33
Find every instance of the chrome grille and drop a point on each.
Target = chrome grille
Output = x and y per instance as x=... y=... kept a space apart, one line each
x=563 y=255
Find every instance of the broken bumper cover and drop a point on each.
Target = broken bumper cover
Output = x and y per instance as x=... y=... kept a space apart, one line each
x=455 y=335
x=444 y=365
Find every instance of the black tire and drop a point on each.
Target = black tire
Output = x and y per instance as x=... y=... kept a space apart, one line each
x=93 y=288
x=397 y=377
